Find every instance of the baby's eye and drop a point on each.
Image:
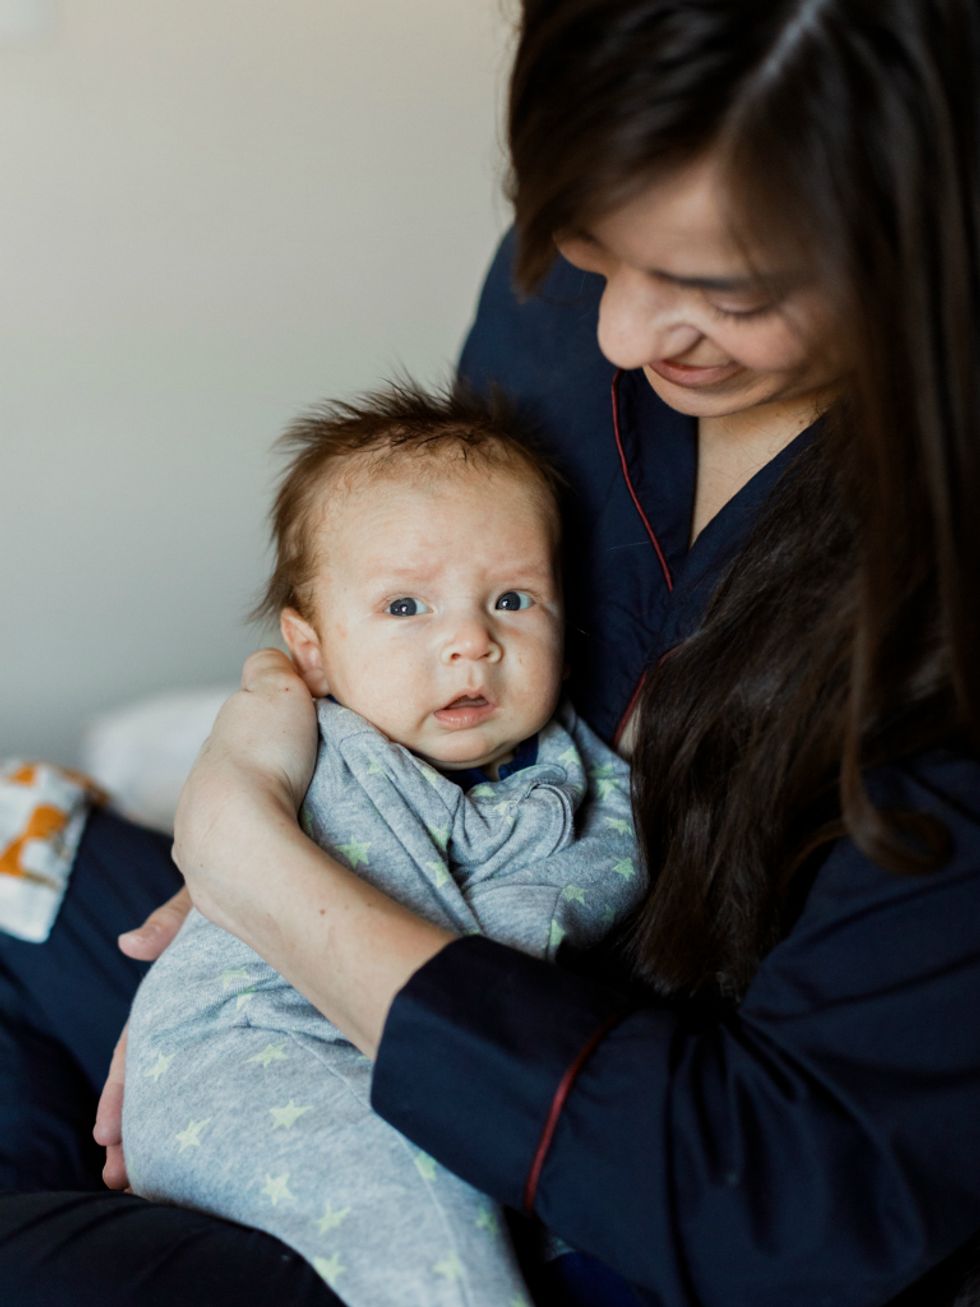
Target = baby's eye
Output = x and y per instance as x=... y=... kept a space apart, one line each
x=406 y=607
x=514 y=600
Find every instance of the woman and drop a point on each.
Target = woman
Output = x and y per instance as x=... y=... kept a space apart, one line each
x=776 y=463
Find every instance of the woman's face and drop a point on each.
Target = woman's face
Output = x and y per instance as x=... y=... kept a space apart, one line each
x=687 y=304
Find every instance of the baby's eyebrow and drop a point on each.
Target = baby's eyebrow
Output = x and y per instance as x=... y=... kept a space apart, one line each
x=514 y=571
x=384 y=567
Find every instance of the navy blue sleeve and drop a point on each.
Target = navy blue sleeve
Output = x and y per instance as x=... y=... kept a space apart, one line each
x=819 y=1145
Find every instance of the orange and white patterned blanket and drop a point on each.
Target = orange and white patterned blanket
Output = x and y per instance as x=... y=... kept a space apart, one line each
x=43 y=810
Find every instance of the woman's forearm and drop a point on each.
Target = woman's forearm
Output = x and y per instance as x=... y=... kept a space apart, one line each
x=343 y=944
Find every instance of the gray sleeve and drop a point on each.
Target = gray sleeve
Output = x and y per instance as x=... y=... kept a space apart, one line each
x=577 y=888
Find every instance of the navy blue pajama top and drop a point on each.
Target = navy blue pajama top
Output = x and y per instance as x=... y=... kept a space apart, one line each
x=820 y=1145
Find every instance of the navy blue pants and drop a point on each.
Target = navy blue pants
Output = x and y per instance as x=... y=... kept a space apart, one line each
x=63 y=1238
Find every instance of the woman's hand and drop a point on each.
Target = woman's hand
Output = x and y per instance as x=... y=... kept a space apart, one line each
x=244 y=792
x=249 y=779
x=108 y=1118
x=146 y=942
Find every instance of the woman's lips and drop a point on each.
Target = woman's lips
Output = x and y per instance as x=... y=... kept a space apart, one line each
x=464 y=711
x=692 y=377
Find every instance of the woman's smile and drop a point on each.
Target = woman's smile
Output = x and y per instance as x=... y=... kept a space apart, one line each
x=680 y=287
x=692 y=375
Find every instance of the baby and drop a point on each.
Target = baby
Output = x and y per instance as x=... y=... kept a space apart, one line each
x=418 y=588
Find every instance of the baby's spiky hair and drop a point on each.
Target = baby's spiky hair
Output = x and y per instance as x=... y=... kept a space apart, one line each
x=452 y=429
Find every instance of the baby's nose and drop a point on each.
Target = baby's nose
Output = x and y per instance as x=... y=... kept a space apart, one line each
x=473 y=640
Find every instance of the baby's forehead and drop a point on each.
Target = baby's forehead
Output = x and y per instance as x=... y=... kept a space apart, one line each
x=423 y=514
x=361 y=476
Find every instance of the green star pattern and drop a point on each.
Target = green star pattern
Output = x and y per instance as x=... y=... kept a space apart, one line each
x=620 y=825
x=284 y=1118
x=355 y=853
x=332 y=1217
x=276 y=1189
x=439 y=835
x=271 y=1053
x=449 y=1268
x=440 y=876
x=425 y=1165
x=190 y=1136
x=487 y=1219
x=329 y=1268
x=160 y=1066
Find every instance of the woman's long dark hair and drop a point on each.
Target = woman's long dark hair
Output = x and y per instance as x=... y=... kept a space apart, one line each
x=847 y=633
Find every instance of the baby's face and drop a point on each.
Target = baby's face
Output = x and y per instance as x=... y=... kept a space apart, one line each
x=438 y=612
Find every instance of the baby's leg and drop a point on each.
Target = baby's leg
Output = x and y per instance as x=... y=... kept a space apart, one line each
x=275 y=1130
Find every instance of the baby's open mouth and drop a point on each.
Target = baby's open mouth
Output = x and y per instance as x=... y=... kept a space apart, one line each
x=469 y=701
x=465 y=710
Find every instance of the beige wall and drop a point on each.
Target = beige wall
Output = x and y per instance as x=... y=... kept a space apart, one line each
x=215 y=212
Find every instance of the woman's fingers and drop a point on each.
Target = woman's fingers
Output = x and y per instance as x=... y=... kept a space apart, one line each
x=270 y=669
x=108 y=1118
x=248 y=782
x=262 y=746
x=276 y=703
x=148 y=941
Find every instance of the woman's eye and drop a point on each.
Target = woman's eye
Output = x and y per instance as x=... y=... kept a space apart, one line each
x=406 y=607
x=513 y=601
x=759 y=311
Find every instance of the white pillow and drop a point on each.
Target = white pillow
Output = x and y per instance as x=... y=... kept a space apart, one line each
x=141 y=752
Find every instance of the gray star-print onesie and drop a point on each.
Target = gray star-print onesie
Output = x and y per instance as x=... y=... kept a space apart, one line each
x=242 y=1100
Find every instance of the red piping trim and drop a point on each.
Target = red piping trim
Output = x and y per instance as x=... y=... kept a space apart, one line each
x=629 y=484
x=557 y=1104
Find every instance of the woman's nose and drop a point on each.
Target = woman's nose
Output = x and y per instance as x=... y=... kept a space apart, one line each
x=471 y=640
x=641 y=321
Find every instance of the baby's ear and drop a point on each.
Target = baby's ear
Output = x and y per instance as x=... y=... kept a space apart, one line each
x=303 y=644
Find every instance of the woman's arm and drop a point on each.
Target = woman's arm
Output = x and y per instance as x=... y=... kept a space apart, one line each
x=818 y=1144
x=342 y=943
x=248 y=867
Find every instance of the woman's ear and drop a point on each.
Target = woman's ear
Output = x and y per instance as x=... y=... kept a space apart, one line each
x=303 y=644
